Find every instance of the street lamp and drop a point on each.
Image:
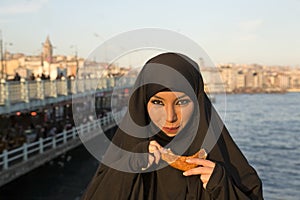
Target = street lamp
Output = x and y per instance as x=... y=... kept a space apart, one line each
x=5 y=54
x=73 y=46
x=105 y=47
x=1 y=53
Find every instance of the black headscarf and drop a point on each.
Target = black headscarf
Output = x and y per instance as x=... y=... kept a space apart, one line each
x=121 y=175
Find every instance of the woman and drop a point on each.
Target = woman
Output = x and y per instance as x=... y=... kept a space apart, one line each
x=168 y=108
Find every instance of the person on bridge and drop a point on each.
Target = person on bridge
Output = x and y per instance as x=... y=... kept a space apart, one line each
x=169 y=113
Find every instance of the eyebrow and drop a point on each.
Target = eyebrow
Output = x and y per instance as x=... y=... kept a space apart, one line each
x=180 y=97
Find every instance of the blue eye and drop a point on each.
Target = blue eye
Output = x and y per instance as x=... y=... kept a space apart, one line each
x=183 y=102
x=157 y=102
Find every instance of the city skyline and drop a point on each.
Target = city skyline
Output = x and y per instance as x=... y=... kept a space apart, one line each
x=230 y=32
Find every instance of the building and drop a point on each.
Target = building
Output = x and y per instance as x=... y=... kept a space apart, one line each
x=46 y=64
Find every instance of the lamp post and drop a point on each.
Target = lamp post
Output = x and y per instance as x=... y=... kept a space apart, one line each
x=42 y=56
x=105 y=47
x=5 y=58
x=1 y=53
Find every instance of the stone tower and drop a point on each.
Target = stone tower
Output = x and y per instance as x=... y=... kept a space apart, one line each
x=47 y=50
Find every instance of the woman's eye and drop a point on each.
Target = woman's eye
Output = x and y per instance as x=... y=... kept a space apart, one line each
x=183 y=102
x=157 y=102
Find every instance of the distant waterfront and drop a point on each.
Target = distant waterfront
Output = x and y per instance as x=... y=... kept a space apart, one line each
x=262 y=90
x=265 y=126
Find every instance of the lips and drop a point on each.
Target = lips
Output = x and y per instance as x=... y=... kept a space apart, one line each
x=171 y=129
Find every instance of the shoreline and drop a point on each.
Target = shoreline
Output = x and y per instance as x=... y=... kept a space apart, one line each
x=258 y=92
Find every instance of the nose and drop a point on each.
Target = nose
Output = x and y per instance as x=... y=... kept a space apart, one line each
x=171 y=114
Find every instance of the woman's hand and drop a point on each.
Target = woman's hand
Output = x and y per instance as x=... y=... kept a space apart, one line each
x=154 y=148
x=205 y=169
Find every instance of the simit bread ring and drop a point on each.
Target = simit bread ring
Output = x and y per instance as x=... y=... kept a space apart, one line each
x=179 y=162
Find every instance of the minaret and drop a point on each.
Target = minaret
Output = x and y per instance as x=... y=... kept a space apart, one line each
x=47 y=50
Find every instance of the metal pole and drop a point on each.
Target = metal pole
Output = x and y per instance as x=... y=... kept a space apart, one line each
x=5 y=58
x=76 y=58
x=4 y=67
x=1 y=49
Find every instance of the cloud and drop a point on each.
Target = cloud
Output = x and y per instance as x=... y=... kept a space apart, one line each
x=22 y=7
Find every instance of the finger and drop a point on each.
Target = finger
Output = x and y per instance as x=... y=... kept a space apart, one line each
x=198 y=171
x=150 y=162
x=205 y=178
x=153 y=148
x=200 y=161
x=155 y=151
x=150 y=159
x=157 y=156
x=154 y=143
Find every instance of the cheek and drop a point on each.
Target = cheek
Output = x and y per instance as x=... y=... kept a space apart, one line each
x=156 y=114
x=187 y=113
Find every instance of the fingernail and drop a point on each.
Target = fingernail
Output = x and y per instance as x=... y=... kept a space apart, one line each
x=184 y=174
x=163 y=150
x=188 y=160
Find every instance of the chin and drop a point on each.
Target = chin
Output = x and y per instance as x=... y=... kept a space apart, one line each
x=170 y=134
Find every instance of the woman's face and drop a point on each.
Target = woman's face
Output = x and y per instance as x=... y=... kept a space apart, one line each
x=170 y=111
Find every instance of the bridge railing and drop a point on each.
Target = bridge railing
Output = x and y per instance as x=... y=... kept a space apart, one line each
x=9 y=158
x=12 y=92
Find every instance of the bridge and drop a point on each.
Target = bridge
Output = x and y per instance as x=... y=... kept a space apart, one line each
x=20 y=95
x=29 y=95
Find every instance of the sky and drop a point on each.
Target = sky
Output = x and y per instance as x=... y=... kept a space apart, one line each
x=230 y=31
